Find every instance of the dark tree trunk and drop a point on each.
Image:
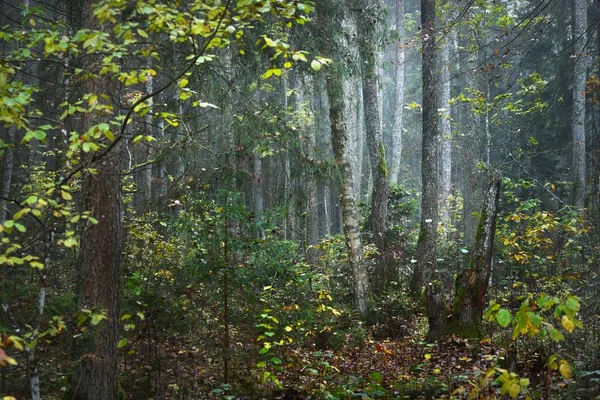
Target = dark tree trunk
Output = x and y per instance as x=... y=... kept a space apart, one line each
x=95 y=376
x=578 y=111
x=471 y=285
x=427 y=244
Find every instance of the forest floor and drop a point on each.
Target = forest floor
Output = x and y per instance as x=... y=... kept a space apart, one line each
x=403 y=368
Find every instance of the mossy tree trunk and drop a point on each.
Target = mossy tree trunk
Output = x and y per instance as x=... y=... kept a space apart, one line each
x=472 y=284
x=370 y=37
x=333 y=18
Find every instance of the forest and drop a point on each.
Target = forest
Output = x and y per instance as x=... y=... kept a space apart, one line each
x=299 y=199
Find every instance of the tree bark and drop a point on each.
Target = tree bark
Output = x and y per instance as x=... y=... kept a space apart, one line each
x=446 y=143
x=427 y=243
x=396 y=143
x=311 y=230
x=578 y=111
x=342 y=112
x=143 y=155
x=370 y=34
x=471 y=284
x=7 y=172
x=339 y=139
x=98 y=289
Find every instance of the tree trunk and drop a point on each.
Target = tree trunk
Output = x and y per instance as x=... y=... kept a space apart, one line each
x=370 y=36
x=95 y=376
x=143 y=153
x=339 y=139
x=578 y=111
x=396 y=147
x=7 y=172
x=342 y=113
x=471 y=285
x=446 y=144
x=311 y=231
x=323 y=141
x=427 y=244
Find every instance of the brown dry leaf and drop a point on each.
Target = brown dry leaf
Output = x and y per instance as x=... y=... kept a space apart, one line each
x=6 y=360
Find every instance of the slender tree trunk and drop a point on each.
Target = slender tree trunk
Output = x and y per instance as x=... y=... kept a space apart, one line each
x=143 y=154
x=7 y=172
x=427 y=244
x=311 y=231
x=396 y=147
x=370 y=36
x=472 y=284
x=95 y=376
x=323 y=143
x=578 y=111
x=339 y=138
x=446 y=143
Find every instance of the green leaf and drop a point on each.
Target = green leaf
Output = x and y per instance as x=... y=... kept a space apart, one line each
x=316 y=65
x=71 y=242
x=122 y=343
x=503 y=317
x=556 y=335
x=97 y=318
x=573 y=304
x=276 y=360
x=31 y=200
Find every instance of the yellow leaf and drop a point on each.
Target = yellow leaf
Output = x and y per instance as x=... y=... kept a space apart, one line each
x=66 y=195
x=427 y=356
x=514 y=390
x=5 y=359
x=568 y=323
x=269 y=42
x=565 y=369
